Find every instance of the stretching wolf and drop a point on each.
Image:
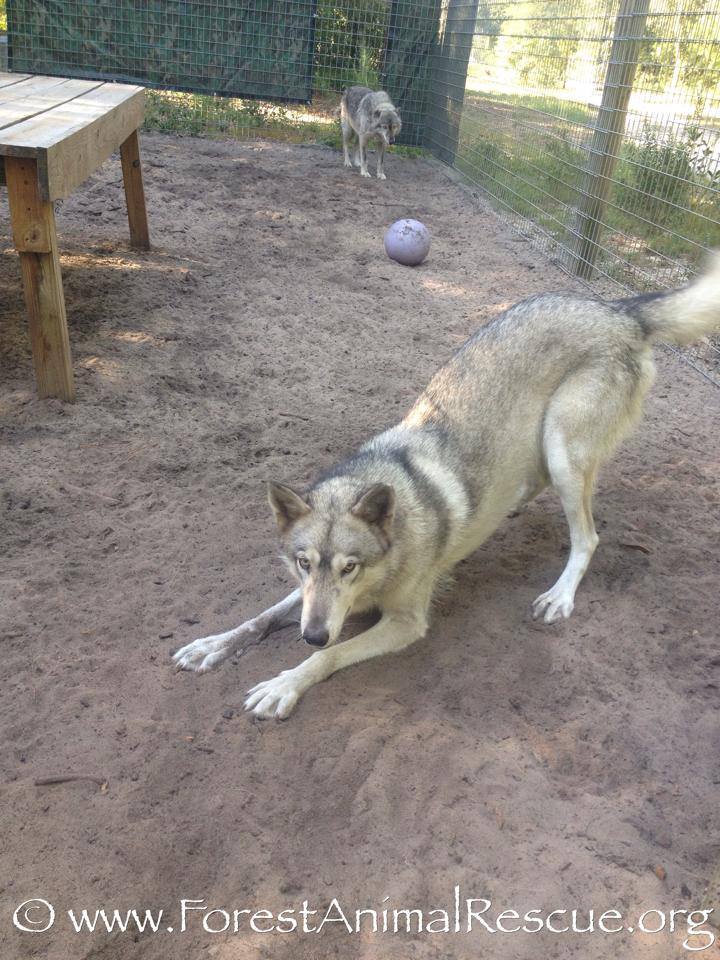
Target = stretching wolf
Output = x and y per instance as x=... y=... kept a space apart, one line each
x=539 y=396
x=367 y=115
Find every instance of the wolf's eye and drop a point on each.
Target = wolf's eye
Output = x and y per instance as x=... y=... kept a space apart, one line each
x=303 y=563
x=349 y=567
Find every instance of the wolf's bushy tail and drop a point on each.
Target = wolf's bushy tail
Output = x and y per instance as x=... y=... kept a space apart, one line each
x=681 y=316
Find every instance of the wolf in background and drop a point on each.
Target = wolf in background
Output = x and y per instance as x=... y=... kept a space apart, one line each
x=367 y=115
x=539 y=396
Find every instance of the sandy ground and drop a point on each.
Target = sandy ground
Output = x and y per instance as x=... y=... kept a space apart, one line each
x=264 y=336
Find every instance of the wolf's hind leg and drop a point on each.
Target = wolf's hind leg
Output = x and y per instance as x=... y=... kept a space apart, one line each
x=208 y=652
x=347 y=135
x=380 y=161
x=585 y=420
x=574 y=483
x=362 y=152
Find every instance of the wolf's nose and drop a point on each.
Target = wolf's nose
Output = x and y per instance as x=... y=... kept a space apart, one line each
x=317 y=637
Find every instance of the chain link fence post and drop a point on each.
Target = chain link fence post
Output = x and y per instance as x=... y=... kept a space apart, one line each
x=449 y=77
x=608 y=134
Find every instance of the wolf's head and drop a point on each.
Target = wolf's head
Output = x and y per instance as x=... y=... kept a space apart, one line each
x=386 y=124
x=334 y=541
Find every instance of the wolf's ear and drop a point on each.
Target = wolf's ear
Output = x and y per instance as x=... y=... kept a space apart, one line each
x=376 y=506
x=287 y=505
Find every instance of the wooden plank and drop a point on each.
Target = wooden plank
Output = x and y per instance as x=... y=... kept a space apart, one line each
x=73 y=159
x=31 y=87
x=31 y=227
x=57 y=125
x=7 y=78
x=33 y=223
x=72 y=140
x=134 y=192
x=23 y=108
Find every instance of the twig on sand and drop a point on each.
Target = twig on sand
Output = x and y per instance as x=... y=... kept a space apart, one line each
x=295 y=416
x=102 y=782
x=635 y=546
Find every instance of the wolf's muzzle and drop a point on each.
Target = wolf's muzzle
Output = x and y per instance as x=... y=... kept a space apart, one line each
x=316 y=636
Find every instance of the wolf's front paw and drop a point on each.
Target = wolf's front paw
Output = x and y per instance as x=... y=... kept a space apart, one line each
x=203 y=654
x=364 y=173
x=276 y=697
x=209 y=652
x=348 y=162
x=381 y=175
x=556 y=603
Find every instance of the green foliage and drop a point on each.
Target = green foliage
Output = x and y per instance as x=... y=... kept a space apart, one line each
x=523 y=179
x=349 y=43
x=198 y=115
x=680 y=49
x=538 y=40
x=256 y=48
x=562 y=162
x=558 y=110
x=666 y=191
x=654 y=178
x=541 y=61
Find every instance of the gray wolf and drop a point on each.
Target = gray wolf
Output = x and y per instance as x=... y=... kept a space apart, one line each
x=367 y=115
x=538 y=397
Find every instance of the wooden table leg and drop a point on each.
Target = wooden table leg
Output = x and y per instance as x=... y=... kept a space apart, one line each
x=33 y=226
x=134 y=193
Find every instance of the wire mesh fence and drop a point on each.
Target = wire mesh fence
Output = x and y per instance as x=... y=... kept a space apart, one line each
x=257 y=48
x=593 y=126
x=275 y=51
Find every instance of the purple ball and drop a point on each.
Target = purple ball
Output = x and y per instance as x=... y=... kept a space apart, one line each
x=408 y=242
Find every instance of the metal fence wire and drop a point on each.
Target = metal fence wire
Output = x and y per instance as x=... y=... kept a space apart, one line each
x=285 y=51
x=592 y=126
x=258 y=48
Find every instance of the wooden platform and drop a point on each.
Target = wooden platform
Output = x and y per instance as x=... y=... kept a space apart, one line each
x=53 y=134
